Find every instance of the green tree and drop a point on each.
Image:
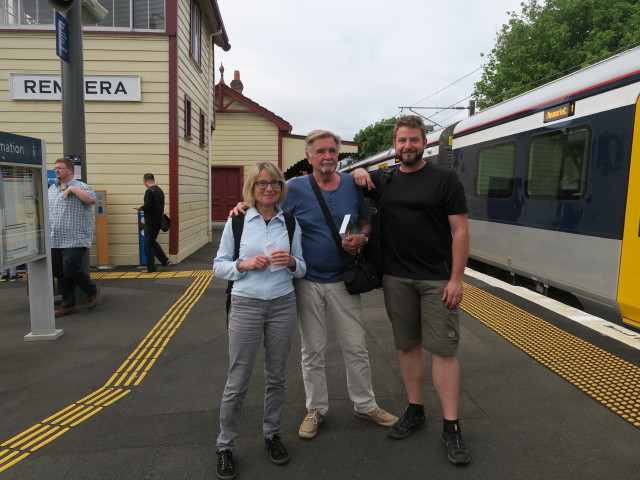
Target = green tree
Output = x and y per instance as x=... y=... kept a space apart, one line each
x=548 y=40
x=375 y=138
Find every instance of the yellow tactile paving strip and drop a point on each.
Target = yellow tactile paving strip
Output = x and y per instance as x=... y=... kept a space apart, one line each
x=608 y=379
x=105 y=274
x=121 y=383
x=613 y=382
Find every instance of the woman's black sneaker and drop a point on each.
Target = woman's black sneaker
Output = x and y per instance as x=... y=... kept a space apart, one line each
x=457 y=451
x=226 y=469
x=407 y=424
x=277 y=452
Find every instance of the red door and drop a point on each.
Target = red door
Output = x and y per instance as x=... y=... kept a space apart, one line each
x=226 y=191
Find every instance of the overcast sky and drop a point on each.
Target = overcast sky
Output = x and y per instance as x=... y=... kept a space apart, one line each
x=342 y=65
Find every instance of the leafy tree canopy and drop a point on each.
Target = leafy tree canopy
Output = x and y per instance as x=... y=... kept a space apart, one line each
x=375 y=138
x=548 y=40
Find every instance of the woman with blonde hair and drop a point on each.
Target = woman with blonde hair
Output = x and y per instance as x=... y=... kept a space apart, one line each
x=262 y=304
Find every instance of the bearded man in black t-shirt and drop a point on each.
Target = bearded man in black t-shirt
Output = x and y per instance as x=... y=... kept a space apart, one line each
x=426 y=244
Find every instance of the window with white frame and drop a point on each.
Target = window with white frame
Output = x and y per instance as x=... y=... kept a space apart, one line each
x=123 y=14
x=196 y=37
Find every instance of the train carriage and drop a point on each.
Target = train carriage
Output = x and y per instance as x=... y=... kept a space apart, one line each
x=553 y=185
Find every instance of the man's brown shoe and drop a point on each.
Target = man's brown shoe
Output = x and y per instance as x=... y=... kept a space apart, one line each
x=92 y=299
x=62 y=311
x=310 y=425
x=379 y=416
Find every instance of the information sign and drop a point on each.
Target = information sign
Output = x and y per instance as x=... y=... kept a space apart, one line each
x=22 y=228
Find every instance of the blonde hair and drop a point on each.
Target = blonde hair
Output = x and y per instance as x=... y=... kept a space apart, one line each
x=249 y=183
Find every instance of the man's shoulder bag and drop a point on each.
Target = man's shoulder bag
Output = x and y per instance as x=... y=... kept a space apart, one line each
x=373 y=251
x=165 y=221
x=360 y=276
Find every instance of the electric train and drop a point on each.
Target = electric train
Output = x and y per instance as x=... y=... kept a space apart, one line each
x=552 y=179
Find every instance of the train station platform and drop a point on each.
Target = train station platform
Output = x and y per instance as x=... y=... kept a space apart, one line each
x=132 y=391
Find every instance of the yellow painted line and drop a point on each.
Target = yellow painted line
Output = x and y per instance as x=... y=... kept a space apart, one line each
x=142 y=375
x=114 y=400
x=29 y=437
x=72 y=412
x=10 y=456
x=19 y=435
x=47 y=434
x=608 y=379
x=145 y=357
x=92 y=396
x=21 y=457
x=51 y=439
x=90 y=414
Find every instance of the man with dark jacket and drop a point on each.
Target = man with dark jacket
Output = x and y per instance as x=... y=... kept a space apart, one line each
x=153 y=209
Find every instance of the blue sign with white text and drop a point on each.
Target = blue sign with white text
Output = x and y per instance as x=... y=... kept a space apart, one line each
x=62 y=37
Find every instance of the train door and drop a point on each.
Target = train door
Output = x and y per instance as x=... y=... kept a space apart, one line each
x=628 y=283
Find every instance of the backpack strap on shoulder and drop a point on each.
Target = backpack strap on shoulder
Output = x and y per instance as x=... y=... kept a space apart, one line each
x=290 y=222
x=237 y=225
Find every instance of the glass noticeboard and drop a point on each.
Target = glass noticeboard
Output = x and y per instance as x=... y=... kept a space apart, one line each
x=22 y=226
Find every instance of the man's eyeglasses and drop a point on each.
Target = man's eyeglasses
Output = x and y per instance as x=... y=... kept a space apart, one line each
x=60 y=168
x=275 y=184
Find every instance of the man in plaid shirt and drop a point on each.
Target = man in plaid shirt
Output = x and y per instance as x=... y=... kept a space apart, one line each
x=71 y=218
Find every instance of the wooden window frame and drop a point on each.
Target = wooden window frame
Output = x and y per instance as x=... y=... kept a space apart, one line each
x=187 y=117
x=202 y=134
x=195 y=34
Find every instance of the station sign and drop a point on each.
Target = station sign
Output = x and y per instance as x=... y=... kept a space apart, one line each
x=62 y=37
x=45 y=86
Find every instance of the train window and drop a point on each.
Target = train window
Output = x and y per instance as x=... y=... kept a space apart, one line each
x=496 y=167
x=558 y=165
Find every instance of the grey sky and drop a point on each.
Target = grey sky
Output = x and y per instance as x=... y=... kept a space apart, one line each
x=343 y=65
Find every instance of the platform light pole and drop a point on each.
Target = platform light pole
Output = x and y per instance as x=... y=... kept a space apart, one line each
x=74 y=144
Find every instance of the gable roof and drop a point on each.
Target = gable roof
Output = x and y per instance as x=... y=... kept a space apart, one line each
x=233 y=97
x=220 y=36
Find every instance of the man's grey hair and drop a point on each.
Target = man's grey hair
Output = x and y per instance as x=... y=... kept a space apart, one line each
x=316 y=134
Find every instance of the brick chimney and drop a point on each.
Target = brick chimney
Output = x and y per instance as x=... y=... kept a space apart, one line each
x=236 y=83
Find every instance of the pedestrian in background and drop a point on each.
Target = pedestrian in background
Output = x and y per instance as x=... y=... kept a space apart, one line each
x=71 y=217
x=263 y=305
x=10 y=275
x=153 y=208
x=425 y=237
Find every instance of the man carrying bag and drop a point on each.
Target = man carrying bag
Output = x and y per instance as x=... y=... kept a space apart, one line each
x=153 y=209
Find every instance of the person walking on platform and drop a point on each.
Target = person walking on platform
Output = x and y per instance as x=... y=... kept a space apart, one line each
x=153 y=208
x=71 y=218
x=10 y=275
x=321 y=295
x=426 y=244
x=262 y=304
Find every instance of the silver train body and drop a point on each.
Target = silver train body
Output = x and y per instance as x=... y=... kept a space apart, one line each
x=552 y=179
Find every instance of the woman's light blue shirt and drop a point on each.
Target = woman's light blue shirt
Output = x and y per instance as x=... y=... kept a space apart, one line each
x=260 y=284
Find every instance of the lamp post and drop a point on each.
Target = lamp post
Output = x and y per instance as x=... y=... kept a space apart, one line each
x=74 y=143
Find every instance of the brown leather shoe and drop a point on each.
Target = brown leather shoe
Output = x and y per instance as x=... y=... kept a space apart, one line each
x=62 y=311
x=92 y=299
